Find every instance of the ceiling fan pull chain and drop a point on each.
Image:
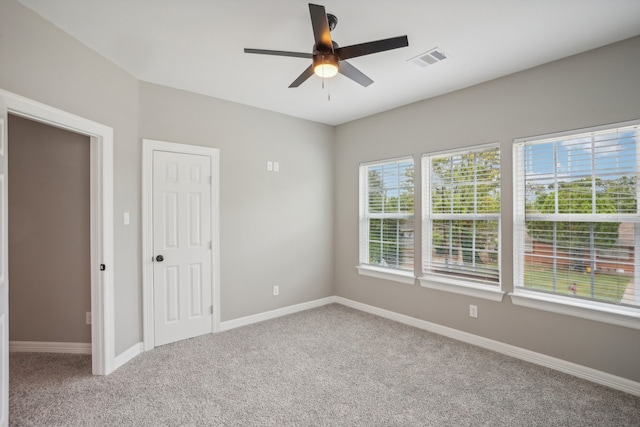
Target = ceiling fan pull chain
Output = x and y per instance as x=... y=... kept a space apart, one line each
x=328 y=88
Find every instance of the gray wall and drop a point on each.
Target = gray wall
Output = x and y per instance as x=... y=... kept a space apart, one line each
x=276 y=228
x=298 y=229
x=49 y=233
x=40 y=62
x=598 y=87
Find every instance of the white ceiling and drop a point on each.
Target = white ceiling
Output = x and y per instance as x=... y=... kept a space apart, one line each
x=197 y=45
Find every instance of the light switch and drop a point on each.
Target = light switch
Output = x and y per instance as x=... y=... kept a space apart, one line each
x=126 y=218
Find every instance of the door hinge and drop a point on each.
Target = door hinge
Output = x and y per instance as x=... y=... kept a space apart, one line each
x=211 y=309
x=210 y=245
x=210 y=179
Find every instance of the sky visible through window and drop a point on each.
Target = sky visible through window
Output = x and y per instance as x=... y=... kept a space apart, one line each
x=607 y=156
x=609 y=145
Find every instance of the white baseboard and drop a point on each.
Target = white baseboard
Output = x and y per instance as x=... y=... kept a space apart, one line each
x=128 y=354
x=593 y=375
x=590 y=374
x=50 y=347
x=267 y=315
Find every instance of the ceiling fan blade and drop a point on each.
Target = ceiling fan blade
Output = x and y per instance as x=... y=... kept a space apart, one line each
x=356 y=50
x=279 y=53
x=353 y=73
x=302 y=77
x=321 y=33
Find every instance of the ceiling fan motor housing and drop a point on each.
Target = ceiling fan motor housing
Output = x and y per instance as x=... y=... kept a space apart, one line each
x=325 y=58
x=332 y=21
x=328 y=58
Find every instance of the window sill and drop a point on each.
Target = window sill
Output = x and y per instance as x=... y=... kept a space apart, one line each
x=489 y=292
x=600 y=312
x=387 y=274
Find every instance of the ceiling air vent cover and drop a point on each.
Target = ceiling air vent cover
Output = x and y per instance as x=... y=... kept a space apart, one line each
x=429 y=58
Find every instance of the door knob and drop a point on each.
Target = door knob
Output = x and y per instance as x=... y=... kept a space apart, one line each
x=159 y=258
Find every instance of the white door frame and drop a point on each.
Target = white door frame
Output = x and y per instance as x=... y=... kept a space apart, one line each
x=148 y=147
x=101 y=171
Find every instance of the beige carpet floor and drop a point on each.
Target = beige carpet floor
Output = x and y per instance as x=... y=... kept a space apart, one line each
x=330 y=366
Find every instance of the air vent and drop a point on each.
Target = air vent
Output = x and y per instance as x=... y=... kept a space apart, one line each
x=429 y=58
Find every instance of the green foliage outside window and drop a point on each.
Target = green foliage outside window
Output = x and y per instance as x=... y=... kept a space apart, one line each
x=390 y=191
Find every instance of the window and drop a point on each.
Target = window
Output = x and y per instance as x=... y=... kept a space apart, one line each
x=576 y=201
x=461 y=221
x=386 y=219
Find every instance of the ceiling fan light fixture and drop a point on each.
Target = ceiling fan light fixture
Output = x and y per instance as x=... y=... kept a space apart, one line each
x=328 y=58
x=326 y=70
x=325 y=66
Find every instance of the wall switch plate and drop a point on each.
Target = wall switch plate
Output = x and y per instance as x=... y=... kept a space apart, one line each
x=126 y=218
x=276 y=291
x=88 y=317
x=276 y=166
x=269 y=165
x=473 y=311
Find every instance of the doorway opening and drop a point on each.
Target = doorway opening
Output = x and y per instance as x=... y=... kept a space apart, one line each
x=49 y=238
x=101 y=219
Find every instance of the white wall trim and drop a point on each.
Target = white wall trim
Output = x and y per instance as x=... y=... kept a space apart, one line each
x=488 y=292
x=49 y=347
x=589 y=374
x=267 y=315
x=102 y=282
x=593 y=375
x=387 y=274
x=148 y=147
x=127 y=355
x=592 y=310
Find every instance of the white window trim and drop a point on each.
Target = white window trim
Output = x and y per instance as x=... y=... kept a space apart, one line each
x=443 y=282
x=392 y=274
x=586 y=309
x=387 y=274
x=457 y=286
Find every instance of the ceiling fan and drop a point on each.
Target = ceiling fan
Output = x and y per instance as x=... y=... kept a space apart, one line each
x=328 y=58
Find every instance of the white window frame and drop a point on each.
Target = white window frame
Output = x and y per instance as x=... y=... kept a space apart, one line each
x=587 y=309
x=445 y=282
x=364 y=268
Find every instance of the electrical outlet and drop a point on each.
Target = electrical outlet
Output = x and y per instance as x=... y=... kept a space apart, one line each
x=88 y=318
x=473 y=311
x=276 y=291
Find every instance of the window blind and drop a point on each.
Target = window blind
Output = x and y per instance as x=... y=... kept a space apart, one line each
x=461 y=214
x=576 y=215
x=386 y=214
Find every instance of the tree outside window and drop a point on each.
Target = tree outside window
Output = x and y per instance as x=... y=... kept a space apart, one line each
x=387 y=231
x=462 y=214
x=579 y=212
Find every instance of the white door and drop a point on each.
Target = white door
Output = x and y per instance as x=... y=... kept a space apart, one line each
x=182 y=297
x=4 y=283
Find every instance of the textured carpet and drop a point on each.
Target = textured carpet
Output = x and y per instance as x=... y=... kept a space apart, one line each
x=330 y=366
